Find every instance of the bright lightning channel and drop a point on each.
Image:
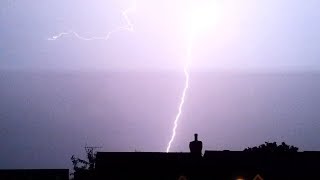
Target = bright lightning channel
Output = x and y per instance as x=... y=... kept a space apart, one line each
x=184 y=92
x=198 y=18
x=127 y=27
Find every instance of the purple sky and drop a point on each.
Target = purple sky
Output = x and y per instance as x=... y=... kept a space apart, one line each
x=269 y=34
x=254 y=78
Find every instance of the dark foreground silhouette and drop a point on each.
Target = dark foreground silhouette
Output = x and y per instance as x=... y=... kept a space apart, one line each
x=268 y=161
x=34 y=174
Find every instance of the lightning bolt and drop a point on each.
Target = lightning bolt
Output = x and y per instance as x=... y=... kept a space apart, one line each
x=127 y=27
x=183 y=96
x=191 y=34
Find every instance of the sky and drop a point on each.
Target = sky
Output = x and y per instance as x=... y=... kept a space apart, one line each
x=241 y=34
x=254 y=76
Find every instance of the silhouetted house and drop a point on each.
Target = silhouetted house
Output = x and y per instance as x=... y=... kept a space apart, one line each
x=35 y=174
x=220 y=165
x=146 y=165
x=150 y=165
x=285 y=165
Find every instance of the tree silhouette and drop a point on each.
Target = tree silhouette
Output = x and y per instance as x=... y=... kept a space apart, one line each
x=272 y=147
x=88 y=164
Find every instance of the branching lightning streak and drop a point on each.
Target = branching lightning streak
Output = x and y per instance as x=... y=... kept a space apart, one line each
x=127 y=27
x=182 y=100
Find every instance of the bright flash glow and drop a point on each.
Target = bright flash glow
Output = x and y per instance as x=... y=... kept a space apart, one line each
x=200 y=16
x=127 y=27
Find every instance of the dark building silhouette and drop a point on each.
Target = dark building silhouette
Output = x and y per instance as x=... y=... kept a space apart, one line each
x=145 y=165
x=220 y=165
x=196 y=146
x=269 y=165
x=34 y=174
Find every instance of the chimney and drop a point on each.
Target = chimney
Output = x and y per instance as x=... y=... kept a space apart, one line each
x=196 y=146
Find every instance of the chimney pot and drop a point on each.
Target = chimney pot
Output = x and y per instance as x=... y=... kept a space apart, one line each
x=196 y=146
